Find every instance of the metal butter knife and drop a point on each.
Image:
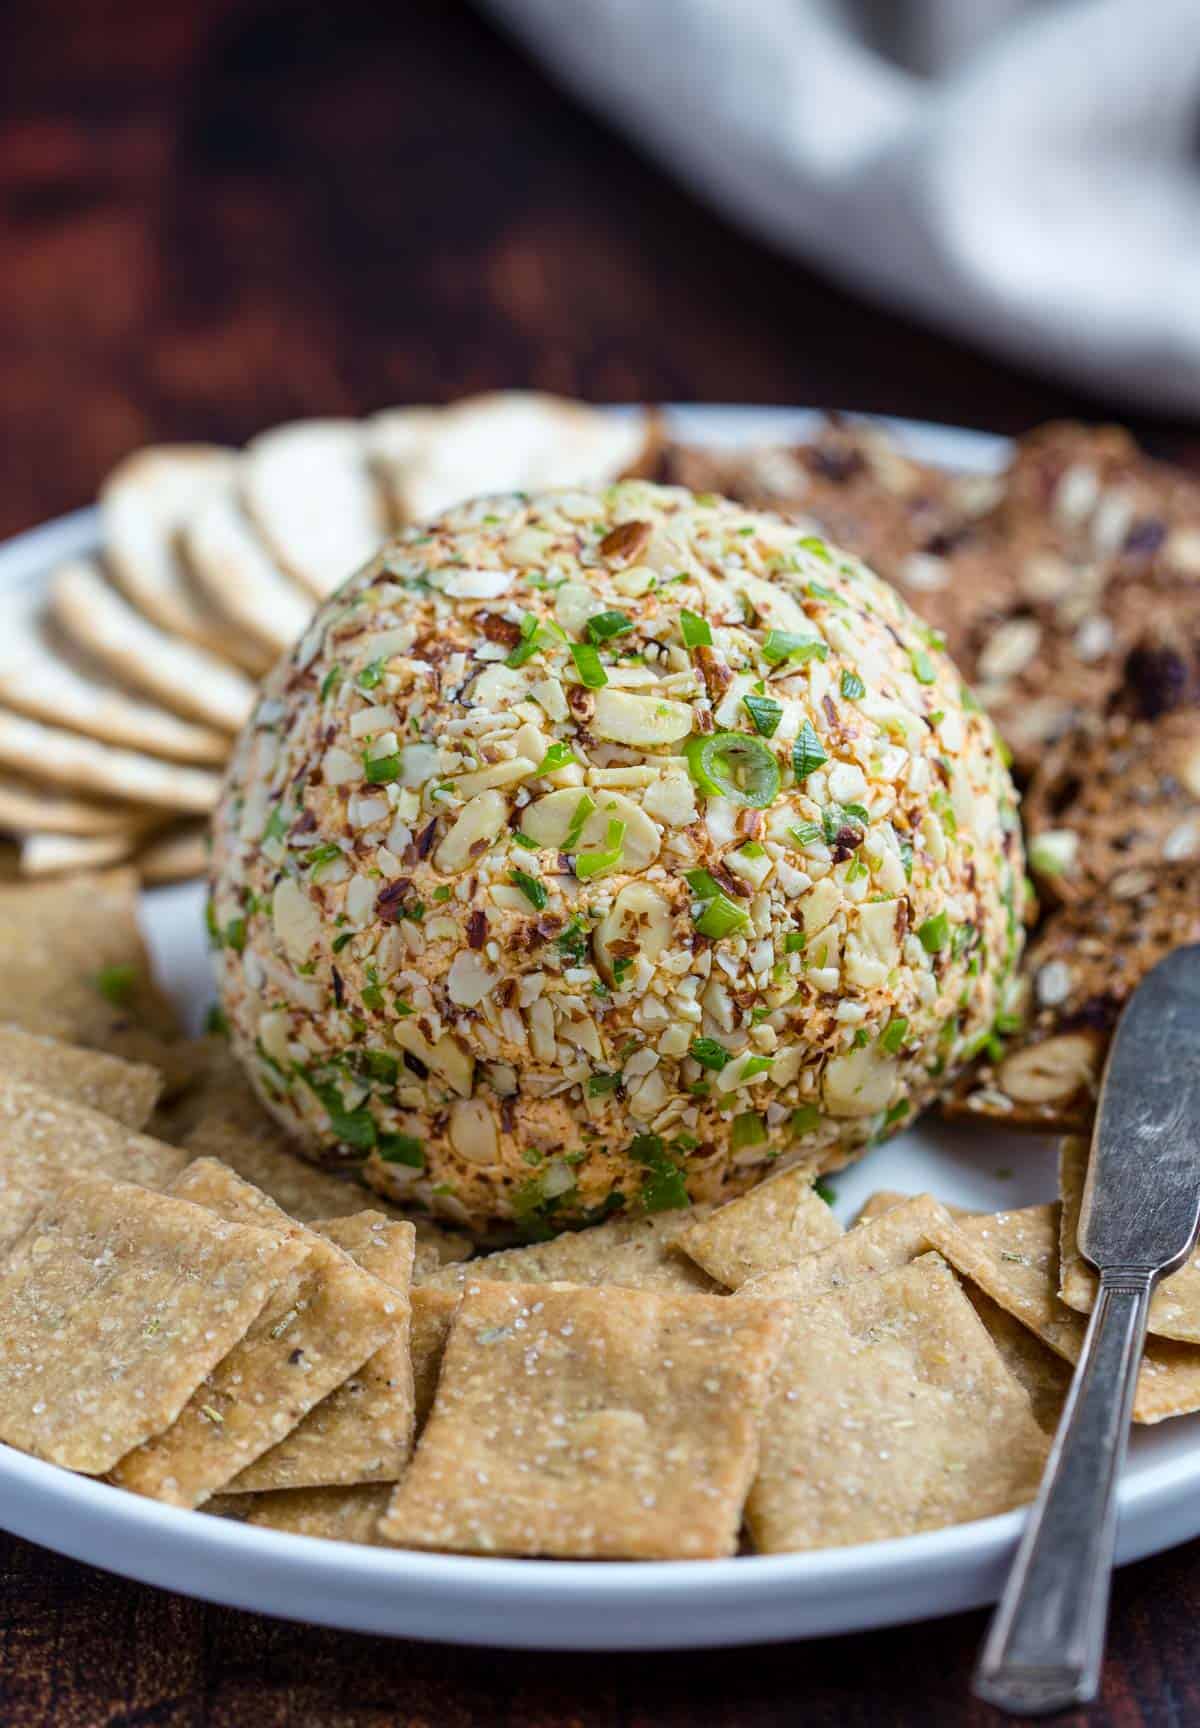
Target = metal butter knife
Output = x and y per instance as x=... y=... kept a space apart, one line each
x=1139 y=1221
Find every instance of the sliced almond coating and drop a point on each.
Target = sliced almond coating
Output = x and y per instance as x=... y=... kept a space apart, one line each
x=311 y=493
x=891 y=1412
x=240 y=577
x=1013 y=1258
x=175 y=856
x=1175 y=1305
x=58 y=854
x=187 y=679
x=45 y=1138
x=114 y=1305
x=76 y=967
x=597 y=1424
x=26 y=808
x=66 y=759
x=334 y=1514
x=317 y=1329
x=143 y=504
x=125 y=1091
x=40 y=678
x=515 y=441
x=636 y=1253
x=363 y=1431
x=774 y=1224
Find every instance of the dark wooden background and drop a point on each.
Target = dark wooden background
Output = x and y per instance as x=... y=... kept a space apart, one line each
x=214 y=216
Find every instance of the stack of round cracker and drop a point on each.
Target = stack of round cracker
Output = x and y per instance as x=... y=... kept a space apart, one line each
x=125 y=678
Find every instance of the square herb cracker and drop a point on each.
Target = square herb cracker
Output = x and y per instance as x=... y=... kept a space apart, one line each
x=126 y=1091
x=45 y=1140
x=334 y=1514
x=1175 y=1305
x=891 y=1412
x=1013 y=1258
x=363 y=1431
x=114 y=1305
x=317 y=1329
x=774 y=1224
x=636 y=1253
x=594 y=1424
x=76 y=967
x=432 y=1316
x=883 y=1244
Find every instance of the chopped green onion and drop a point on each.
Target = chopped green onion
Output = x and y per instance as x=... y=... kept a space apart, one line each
x=371 y=675
x=709 y=1053
x=749 y=1129
x=808 y=752
x=558 y=756
x=825 y=1190
x=721 y=917
x=697 y=632
x=804 y=1119
x=806 y=833
x=600 y=1083
x=934 y=933
x=812 y=543
x=781 y=646
x=584 y=810
x=755 y=1065
x=702 y=884
x=277 y=825
x=893 y=1035
x=794 y=942
x=532 y=889
x=588 y=864
x=664 y=1189
x=573 y=943
x=922 y=666
x=735 y=766
x=118 y=984
x=331 y=681
x=381 y=1066
x=323 y=854
x=529 y=644
x=765 y=712
x=587 y=664
x=340 y=942
x=401 y=1149
x=852 y=686
x=604 y=625
x=524 y=842
x=906 y=858
x=381 y=770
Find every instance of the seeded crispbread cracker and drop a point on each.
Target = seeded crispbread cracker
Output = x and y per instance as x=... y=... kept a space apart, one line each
x=240 y=577
x=885 y=1199
x=1013 y=1258
x=432 y=1315
x=44 y=1140
x=114 y=1305
x=604 y=1424
x=891 y=1412
x=27 y=808
x=125 y=1091
x=312 y=496
x=219 y=1117
x=1175 y=1305
x=75 y=965
x=45 y=855
x=188 y=680
x=42 y=679
x=774 y=1224
x=1045 y=1376
x=636 y=1253
x=144 y=504
x=1108 y=810
x=1082 y=968
x=395 y=439
x=317 y=1329
x=67 y=759
x=883 y=1244
x=363 y=1431
x=176 y=855
x=334 y=1514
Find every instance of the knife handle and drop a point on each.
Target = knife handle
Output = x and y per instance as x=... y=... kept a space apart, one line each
x=1045 y=1646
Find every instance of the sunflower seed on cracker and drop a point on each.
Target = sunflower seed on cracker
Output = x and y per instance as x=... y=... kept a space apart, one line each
x=636 y=1253
x=334 y=1514
x=39 y=677
x=241 y=578
x=590 y=1423
x=114 y=1305
x=363 y=1431
x=45 y=753
x=1013 y=1257
x=317 y=1328
x=126 y=1091
x=311 y=493
x=187 y=679
x=891 y=1412
x=1081 y=969
x=144 y=503
x=774 y=1224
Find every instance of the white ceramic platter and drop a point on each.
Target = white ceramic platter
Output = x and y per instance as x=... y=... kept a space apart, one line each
x=574 y=1606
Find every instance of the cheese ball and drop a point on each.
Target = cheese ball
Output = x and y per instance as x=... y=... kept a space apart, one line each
x=602 y=850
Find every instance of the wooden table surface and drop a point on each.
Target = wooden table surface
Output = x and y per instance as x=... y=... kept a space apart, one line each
x=215 y=216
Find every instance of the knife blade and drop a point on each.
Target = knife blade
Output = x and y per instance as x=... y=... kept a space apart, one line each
x=1139 y=1220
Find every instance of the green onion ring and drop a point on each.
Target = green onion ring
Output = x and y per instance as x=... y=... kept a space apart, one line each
x=735 y=766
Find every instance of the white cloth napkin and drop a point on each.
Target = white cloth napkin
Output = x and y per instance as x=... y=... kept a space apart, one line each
x=1024 y=174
